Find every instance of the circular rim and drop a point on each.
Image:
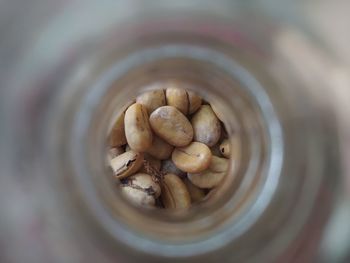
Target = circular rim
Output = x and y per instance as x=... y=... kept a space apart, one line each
x=272 y=169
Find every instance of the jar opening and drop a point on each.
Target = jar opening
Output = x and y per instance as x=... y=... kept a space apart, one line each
x=241 y=112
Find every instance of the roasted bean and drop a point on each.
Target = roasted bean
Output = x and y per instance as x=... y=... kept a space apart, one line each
x=197 y=194
x=177 y=97
x=194 y=102
x=217 y=112
x=213 y=176
x=172 y=126
x=141 y=189
x=137 y=129
x=193 y=158
x=174 y=192
x=126 y=164
x=206 y=126
x=152 y=100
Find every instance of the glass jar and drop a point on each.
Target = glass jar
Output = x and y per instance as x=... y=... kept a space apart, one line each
x=73 y=66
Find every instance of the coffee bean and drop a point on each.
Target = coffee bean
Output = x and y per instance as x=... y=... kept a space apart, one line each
x=178 y=98
x=193 y=158
x=194 y=102
x=172 y=126
x=152 y=100
x=206 y=126
x=137 y=129
x=175 y=193
x=126 y=164
x=213 y=176
x=197 y=194
x=141 y=189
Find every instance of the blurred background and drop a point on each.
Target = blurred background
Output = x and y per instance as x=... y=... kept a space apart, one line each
x=53 y=52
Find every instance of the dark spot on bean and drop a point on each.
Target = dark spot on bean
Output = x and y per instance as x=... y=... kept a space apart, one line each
x=130 y=162
x=150 y=191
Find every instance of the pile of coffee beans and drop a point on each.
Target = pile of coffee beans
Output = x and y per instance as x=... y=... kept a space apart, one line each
x=169 y=148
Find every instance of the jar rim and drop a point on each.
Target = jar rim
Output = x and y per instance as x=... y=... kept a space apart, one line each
x=272 y=167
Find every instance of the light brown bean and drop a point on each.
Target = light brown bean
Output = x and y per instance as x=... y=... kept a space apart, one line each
x=178 y=98
x=213 y=176
x=152 y=100
x=217 y=112
x=193 y=158
x=197 y=194
x=194 y=102
x=146 y=182
x=137 y=129
x=160 y=149
x=126 y=164
x=206 y=126
x=141 y=189
x=117 y=135
x=174 y=193
x=172 y=126
x=138 y=196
